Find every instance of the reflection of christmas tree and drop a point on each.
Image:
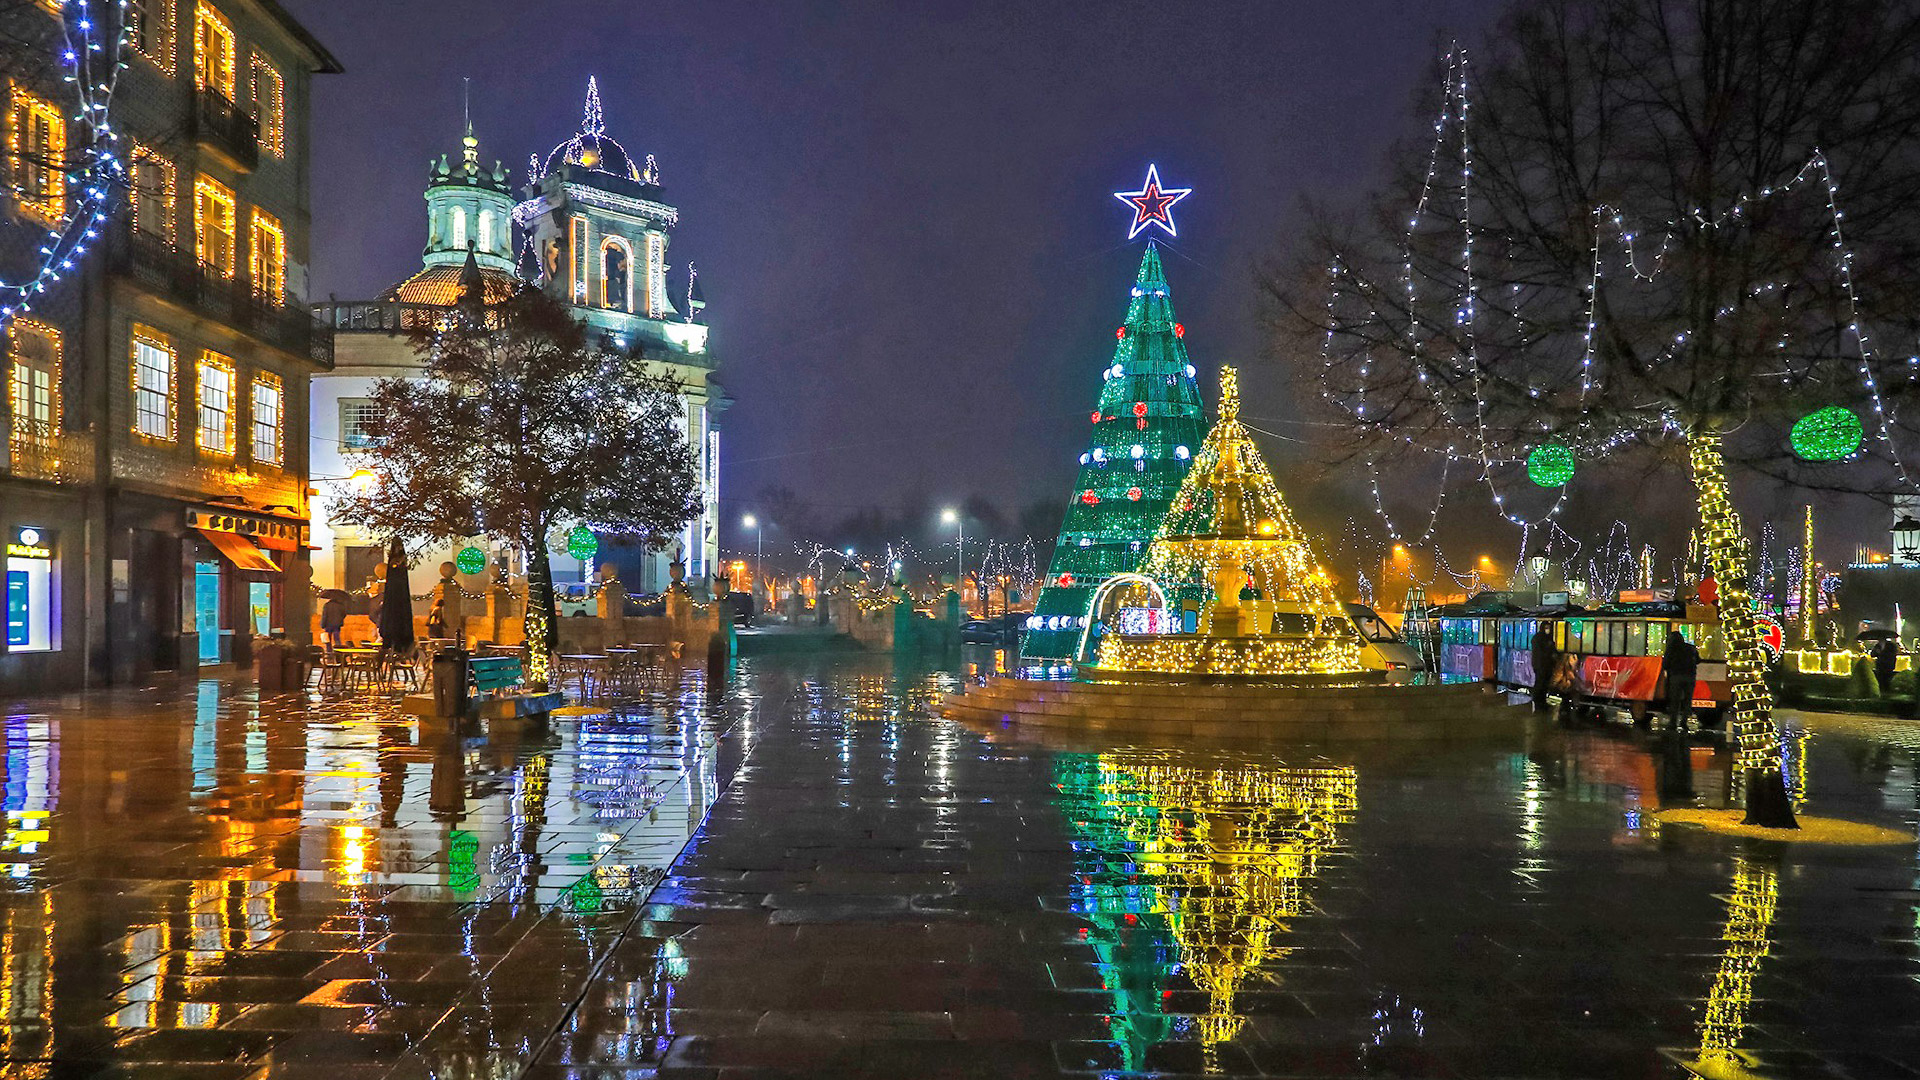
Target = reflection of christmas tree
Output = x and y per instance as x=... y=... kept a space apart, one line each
x=1146 y=427
x=1214 y=859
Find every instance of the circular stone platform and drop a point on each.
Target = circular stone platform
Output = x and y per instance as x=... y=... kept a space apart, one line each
x=1241 y=709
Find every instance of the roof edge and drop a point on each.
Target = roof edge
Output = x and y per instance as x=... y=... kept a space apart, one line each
x=326 y=62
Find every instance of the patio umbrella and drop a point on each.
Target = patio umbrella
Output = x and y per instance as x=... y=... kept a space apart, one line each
x=396 y=608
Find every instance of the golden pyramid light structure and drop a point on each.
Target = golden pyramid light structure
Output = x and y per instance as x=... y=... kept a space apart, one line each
x=1270 y=608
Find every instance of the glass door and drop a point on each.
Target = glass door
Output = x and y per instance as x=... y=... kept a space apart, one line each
x=206 y=610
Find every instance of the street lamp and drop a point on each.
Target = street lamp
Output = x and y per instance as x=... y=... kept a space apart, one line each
x=952 y=517
x=1906 y=538
x=759 y=534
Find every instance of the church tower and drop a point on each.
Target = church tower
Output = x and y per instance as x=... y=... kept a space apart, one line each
x=469 y=209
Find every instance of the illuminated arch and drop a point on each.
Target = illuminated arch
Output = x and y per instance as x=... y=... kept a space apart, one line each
x=626 y=252
x=1100 y=594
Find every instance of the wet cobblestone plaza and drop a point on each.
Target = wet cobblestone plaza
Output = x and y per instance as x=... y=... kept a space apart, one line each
x=202 y=885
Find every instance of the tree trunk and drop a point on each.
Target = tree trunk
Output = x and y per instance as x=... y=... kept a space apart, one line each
x=1757 y=761
x=540 y=624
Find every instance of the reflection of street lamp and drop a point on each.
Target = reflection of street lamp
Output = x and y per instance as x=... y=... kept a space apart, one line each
x=759 y=533
x=1906 y=538
x=952 y=517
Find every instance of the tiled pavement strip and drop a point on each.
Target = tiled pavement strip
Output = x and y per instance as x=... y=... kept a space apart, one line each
x=202 y=887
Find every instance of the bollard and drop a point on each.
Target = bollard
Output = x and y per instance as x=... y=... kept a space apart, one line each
x=450 y=682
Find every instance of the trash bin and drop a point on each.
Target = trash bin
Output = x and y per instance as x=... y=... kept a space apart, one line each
x=450 y=682
x=269 y=666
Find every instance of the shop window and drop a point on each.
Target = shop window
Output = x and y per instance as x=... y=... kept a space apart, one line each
x=216 y=404
x=269 y=266
x=213 y=52
x=270 y=106
x=156 y=185
x=37 y=151
x=32 y=603
x=214 y=225
x=153 y=361
x=358 y=417
x=268 y=420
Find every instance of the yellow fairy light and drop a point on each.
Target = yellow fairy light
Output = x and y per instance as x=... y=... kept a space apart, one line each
x=1726 y=554
x=1756 y=892
x=1230 y=532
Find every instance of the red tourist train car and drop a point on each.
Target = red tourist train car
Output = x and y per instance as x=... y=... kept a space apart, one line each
x=1609 y=656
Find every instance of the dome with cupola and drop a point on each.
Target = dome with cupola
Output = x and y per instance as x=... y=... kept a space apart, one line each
x=592 y=149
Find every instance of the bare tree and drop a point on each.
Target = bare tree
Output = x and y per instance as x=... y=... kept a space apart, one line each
x=523 y=426
x=1625 y=239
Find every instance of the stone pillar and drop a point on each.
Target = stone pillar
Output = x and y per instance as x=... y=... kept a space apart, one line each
x=451 y=599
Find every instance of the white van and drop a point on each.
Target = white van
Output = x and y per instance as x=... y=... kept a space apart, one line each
x=1381 y=646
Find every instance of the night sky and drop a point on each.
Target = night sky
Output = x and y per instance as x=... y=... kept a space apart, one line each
x=900 y=212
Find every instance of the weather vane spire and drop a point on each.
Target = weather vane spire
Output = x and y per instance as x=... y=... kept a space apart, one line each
x=1152 y=204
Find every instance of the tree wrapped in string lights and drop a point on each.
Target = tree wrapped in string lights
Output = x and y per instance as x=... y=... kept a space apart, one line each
x=1626 y=237
x=62 y=61
x=1147 y=424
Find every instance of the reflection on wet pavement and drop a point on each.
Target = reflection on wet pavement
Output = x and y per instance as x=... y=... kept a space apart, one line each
x=883 y=893
x=203 y=886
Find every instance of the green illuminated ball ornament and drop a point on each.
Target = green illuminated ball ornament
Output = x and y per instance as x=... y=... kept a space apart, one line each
x=1827 y=434
x=470 y=560
x=581 y=543
x=1550 y=465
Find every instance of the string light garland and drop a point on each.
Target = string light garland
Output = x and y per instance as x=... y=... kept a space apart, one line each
x=92 y=56
x=1725 y=549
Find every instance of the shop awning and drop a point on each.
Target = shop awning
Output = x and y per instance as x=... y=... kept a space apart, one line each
x=240 y=551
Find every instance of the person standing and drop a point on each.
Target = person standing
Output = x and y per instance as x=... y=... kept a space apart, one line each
x=1680 y=664
x=1546 y=660
x=1886 y=654
x=333 y=618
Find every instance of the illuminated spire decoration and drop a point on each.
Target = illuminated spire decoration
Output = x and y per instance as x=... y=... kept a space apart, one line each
x=595 y=123
x=1152 y=204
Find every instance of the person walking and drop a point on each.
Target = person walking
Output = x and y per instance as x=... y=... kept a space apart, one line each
x=333 y=619
x=1546 y=661
x=1680 y=665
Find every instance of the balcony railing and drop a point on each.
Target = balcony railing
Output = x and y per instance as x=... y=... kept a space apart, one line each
x=160 y=266
x=385 y=316
x=227 y=129
x=37 y=451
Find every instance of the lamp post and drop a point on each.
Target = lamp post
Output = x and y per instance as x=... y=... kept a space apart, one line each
x=759 y=534
x=1906 y=538
x=952 y=517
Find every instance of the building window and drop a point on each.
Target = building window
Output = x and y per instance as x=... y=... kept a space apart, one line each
x=616 y=275
x=34 y=386
x=358 y=418
x=152 y=385
x=486 y=230
x=216 y=404
x=150 y=30
x=156 y=184
x=270 y=105
x=267 y=420
x=213 y=224
x=269 y=265
x=37 y=147
x=213 y=52
x=457 y=230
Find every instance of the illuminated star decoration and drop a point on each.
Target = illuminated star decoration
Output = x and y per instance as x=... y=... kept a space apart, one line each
x=1152 y=204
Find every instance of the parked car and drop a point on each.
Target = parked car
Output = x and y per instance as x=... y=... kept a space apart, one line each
x=572 y=598
x=1001 y=630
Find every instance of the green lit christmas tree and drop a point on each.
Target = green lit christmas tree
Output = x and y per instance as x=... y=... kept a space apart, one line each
x=1147 y=425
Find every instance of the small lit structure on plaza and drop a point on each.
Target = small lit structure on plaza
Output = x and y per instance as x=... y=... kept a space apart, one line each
x=1253 y=600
